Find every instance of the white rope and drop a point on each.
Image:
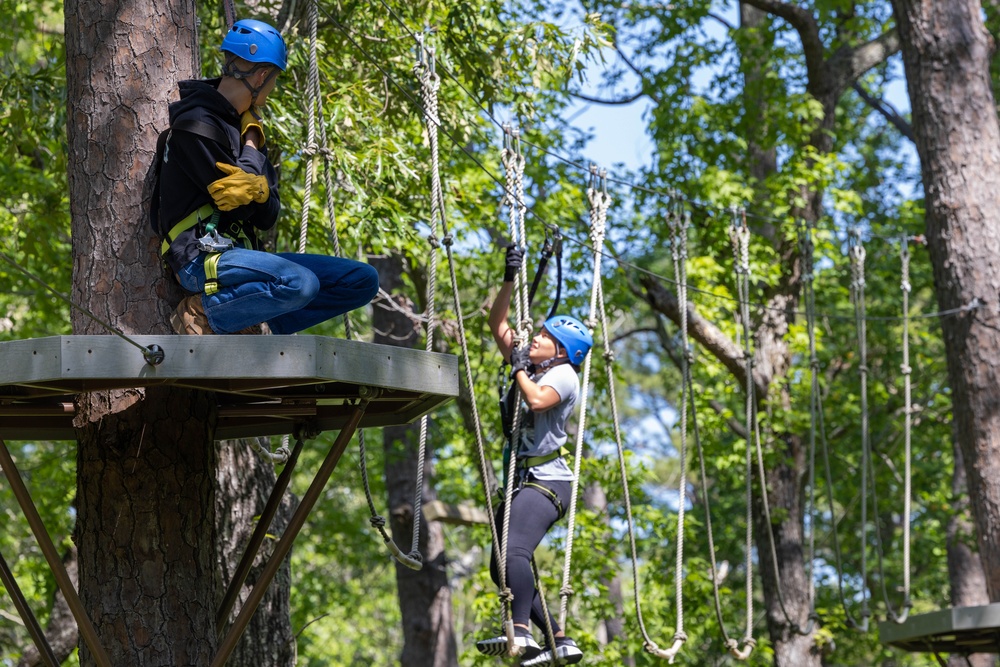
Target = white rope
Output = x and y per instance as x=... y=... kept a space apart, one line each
x=513 y=162
x=599 y=200
x=740 y=237
x=857 y=257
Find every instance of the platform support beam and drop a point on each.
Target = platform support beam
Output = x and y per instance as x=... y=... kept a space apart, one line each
x=257 y=539
x=86 y=627
x=30 y=622
x=295 y=524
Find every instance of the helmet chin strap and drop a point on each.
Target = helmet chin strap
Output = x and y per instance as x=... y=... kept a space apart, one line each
x=240 y=75
x=552 y=361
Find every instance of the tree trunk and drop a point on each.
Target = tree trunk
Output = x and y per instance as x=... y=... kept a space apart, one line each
x=61 y=631
x=965 y=569
x=946 y=53
x=145 y=480
x=424 y=595
x=244 y=481
x=612 y=629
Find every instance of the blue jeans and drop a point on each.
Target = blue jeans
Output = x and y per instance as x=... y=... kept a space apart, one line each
x=289 y=291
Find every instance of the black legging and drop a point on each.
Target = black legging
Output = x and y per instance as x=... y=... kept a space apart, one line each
x=532 y=513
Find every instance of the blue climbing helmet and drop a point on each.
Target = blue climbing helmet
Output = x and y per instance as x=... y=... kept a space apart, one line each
x=256 y=42
x=572 y=335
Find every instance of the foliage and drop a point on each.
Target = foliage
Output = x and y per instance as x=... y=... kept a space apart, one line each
x=520 y=61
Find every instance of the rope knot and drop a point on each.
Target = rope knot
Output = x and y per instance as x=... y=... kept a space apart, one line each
x=680 y=636
x=609 y=356
x=506 y=596
x=311 y=149
x=905 y=369
x=432 y=240
x=566 y=591
x=377 y=521
x=448 y=241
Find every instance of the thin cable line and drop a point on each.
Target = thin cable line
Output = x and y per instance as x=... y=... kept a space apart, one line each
x=152 y=354
x=973 y=305
x=669 y=193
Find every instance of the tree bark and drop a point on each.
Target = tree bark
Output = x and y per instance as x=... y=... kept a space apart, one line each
x=243 y=483
x=612 y=628
x=965 y=569
x=946 y=54
x=145 y=489
x=61 y=631
x=424 y=595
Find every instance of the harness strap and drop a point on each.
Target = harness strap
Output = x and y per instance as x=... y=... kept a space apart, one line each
x=532 y=461
x=552 y=495
x=191 y=220
x=212 y=273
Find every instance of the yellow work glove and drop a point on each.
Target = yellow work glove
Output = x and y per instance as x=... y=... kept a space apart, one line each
x=251 y=119
x=237 y=188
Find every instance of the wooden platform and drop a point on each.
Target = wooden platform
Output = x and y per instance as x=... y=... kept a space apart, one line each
x=265 y=385
x=960 y=630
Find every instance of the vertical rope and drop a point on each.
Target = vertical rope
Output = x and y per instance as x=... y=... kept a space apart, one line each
x=901 y=616
x=229 y=7
x=599 y=199
x=513 y=162
x=740 y=238
x=904 y=252
x=807 y=252
x=311 y=148
x=857 y=257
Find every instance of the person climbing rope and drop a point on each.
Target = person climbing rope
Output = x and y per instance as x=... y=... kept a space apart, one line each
x=546 y=374
x=218 y=190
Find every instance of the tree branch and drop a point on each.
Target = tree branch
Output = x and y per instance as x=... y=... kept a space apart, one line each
x=596 y=100
x=805 y=25
x=887 y=111
x=706 y=334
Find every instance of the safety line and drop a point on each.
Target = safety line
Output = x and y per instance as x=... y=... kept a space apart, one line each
x=152 y=354
x=670 y=193
x=975 y=304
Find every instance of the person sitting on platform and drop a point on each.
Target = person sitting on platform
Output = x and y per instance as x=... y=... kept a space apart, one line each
x=218 y=191
x=547 y=374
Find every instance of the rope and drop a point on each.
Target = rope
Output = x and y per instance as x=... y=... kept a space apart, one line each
x=153 y=354
x=277 y=457
x=973 y=305
x=229 y=8
x=740 y=236
x=513 y=162
x=597 y=195
x=856 y=250
x=900 y=617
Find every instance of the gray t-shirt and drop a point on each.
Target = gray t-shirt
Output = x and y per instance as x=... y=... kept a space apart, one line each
x=545 y=432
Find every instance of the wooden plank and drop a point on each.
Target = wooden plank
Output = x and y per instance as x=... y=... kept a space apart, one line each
x=961 y=630
x=462 y=515
x=277 y=382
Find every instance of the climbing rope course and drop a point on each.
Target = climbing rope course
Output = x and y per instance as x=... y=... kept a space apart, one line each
x=679 y=222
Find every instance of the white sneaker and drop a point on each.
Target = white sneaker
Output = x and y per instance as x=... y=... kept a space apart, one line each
x=567 y=653
x=525 y=645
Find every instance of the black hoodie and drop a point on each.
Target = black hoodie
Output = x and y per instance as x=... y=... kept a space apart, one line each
x=189 y=167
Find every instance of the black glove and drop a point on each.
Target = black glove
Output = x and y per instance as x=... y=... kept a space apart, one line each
x=519 y=360
x=514 y=258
